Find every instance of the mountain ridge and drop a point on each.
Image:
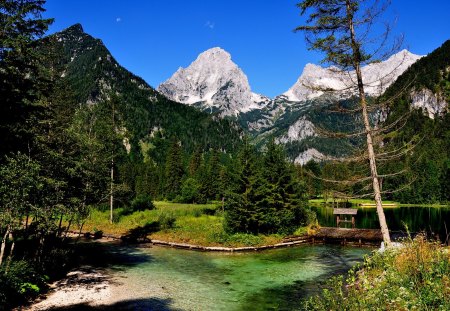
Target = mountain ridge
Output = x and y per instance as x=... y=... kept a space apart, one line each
x=93 y=73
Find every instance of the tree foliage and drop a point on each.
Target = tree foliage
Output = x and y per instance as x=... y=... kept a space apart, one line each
x=268 y=197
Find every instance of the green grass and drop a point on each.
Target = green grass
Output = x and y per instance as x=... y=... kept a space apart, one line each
x=199 y=224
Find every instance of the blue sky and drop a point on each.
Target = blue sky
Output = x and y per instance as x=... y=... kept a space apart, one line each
x=153 y=38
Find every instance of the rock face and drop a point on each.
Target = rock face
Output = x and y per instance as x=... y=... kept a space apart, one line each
x=308 y=155
x=213 y=82
x=298 y=131
x=316 y=80
x=431 y=104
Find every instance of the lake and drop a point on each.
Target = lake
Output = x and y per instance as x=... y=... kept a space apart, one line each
x=432 y=220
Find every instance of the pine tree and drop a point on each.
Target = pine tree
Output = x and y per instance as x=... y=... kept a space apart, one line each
x=284 y=196
x=174 y=170
x=241 y=213
x=214 y=175
x=194 y=162
x=22 y=80
x=268 y=197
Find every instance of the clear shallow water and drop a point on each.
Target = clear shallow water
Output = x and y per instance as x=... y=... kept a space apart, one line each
x=269 y=280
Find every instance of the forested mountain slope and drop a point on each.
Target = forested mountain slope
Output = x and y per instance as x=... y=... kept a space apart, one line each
x=425 y=89
x=94 y=76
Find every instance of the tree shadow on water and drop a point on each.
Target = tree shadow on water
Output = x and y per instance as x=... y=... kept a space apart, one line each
x=143 y=304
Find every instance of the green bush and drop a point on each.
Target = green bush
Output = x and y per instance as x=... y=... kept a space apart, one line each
x=139 y=234
x=141 y=203
x=20 y=283
x=119 y=212
x=98 y=234
x=189 y=191
x=166 y=221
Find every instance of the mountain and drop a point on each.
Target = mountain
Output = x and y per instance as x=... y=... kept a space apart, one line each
x=213 y=83
x=294 y=117
x=93 y=76
x=376 y=76
x=427 y=83
x=425 y=98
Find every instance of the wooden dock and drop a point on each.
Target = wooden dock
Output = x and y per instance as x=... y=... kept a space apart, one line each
x=343 y=236
x=348 y=236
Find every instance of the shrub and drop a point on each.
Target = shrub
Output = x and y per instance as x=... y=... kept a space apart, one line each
x=20 y=283
x=209 y=211
x=141 y=203
x=166 y=221
x=189 y=191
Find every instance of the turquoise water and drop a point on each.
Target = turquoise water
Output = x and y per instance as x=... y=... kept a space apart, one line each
x=173 y=279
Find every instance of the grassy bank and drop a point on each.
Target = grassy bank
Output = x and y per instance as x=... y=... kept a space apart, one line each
x=414 y=277
x=200 y=224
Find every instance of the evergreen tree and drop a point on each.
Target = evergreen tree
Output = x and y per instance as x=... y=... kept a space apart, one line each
x=214 y=175
x=268 y=197
x=174 y=170
x=195 y=162
x=241 y=214
x=285 y=197
x=22 y=80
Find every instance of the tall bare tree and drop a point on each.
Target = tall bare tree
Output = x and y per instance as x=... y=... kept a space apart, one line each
x=348 y=32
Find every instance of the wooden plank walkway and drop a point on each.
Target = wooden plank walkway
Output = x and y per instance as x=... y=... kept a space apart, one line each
x=344 y=236
x=349 y=234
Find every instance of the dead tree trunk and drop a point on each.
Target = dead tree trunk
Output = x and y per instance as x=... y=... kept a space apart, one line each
x=111 y=194
x=368 y=129
x=11 y=252
x=4 y=240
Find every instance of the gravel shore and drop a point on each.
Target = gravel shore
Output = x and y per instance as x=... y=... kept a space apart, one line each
x=85 y=286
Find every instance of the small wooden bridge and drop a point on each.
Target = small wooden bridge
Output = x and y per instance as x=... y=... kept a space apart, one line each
x=346 y=236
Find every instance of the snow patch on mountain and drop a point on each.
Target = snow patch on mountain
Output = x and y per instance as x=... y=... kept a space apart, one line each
x=316 y=80
x=213 y=80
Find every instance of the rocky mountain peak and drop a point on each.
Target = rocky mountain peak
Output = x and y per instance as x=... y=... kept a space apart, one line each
x=215 y=54
x=213 y=82
x=316 y=80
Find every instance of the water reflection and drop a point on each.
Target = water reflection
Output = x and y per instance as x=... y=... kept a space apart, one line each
x=433 y=220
